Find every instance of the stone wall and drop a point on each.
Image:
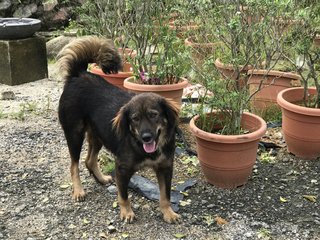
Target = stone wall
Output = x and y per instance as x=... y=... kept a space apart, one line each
x=54 y=14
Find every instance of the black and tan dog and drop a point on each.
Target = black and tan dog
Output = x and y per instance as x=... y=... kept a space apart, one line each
x=138 y=129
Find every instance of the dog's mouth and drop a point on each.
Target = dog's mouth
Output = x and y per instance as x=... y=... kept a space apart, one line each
x=150 y=147
x=150 y=144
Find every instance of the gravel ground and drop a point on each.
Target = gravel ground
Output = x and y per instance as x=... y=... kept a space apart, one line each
x=35 y=190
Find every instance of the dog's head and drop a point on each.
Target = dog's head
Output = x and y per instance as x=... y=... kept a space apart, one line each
x=149 y=118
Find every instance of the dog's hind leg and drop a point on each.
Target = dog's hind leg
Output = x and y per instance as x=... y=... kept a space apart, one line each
x=92 y=160
x=75 y=137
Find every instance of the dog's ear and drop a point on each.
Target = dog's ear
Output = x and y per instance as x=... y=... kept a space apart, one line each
x=171 y=110
x=120 y=122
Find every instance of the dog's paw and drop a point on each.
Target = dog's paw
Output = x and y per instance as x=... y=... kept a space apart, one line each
x=170 y=216
x=105 y=179
x=127 y=215
x=78 y=195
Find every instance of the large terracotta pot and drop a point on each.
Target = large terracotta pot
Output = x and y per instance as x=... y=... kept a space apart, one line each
x=227 y=160
x=300 y=125
x=170 y=91
x=270 y=82
x=115 y=79
x=228 y=71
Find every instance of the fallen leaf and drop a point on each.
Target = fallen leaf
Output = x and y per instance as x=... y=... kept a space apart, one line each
x=125 y=235
x=64 y=186
x=282 y=199
x=103 y=235
x=220 y=220
x=184 y=193
x=185 y=203
x=115 y=204
x=86 y=221
x=72 y=226
x=179 y=235
x=311 y=198
x=24 y=175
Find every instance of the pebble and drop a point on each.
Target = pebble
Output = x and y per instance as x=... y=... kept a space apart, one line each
x=8 y=95
x=204 y=202
x=111 y=229
x=112 y=189
x=136 y=206
x=211 y=206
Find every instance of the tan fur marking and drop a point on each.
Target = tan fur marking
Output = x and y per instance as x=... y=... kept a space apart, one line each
x=92 y=162
x=165 y=206
x=126 y=213
x=92 y=165
x=78 y=192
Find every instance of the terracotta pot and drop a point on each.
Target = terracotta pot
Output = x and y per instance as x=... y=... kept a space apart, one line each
x=271 y=83
x=170 y=91
x=300 y=125
x=126 y=54
x=114 y=79
x=182 y=30
x=316 y=41
x=228 y=71
x=199 y=51
x=227 y=161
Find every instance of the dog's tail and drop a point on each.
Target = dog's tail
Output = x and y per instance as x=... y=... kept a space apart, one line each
x=75 y=56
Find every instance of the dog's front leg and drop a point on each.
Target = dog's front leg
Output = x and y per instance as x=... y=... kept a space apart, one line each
x=123 y=175
x=164 y=176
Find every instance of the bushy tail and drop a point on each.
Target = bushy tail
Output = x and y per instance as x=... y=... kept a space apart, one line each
x=75 y=56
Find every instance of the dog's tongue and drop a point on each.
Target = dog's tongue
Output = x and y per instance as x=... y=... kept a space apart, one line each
x=150 y=147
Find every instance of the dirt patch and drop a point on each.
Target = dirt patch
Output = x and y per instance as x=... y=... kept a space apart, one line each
x=35 y=189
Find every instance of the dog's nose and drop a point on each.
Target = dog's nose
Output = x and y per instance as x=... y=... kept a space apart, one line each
x=147 y=137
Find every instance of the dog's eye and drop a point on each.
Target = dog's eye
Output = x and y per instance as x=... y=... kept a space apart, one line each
x=153 y=114
x=135 y=118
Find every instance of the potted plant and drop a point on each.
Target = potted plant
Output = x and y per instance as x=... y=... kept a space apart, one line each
x=161 y=61
x=223 y=124
x=301 y=106
x=227 y=136
x=276 y=75
x=251 y=50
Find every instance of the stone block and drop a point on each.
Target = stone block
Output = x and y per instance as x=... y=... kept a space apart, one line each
x=23 y=60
